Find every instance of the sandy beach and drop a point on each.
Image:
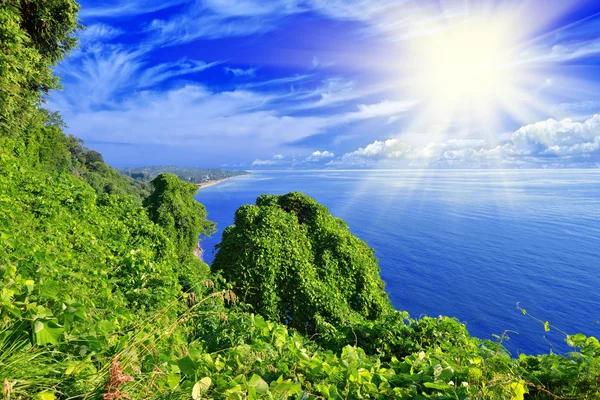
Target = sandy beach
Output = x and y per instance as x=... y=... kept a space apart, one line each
x=211 y=183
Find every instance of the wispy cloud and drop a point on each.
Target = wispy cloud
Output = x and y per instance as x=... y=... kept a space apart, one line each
x=241 y=72
x=97 y=33
x=162 y=72
x=561 y=51
x=211 y=19
x=100 y=73
x=124 y=8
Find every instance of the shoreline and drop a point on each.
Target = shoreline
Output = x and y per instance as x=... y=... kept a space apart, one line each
x=211 y=183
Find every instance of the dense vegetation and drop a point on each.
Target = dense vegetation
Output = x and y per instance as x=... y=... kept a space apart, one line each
x=297 y=264
x=188 y=174
x=100 y=298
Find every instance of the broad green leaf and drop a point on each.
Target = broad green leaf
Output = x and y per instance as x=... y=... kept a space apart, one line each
x=187 y=366
x=50 y=289
x=517 y=390
x=258 y=383
x=201 y=387
x=46 y=332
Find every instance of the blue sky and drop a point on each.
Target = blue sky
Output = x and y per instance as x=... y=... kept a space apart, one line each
x=337 y=83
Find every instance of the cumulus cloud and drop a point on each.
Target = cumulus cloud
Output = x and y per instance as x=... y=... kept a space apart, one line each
x=282 y=161
x=547 y=143
x=319 y=156
x=278 y=159
x=559 y=138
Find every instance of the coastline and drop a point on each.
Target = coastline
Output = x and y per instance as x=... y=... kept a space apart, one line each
x=211 y=183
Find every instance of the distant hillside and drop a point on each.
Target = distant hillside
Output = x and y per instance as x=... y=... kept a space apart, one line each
x=188 y=174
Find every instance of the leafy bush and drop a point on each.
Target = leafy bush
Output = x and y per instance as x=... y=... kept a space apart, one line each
x=296 y=263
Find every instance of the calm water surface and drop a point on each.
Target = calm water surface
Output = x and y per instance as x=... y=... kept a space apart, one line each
x=469 y=244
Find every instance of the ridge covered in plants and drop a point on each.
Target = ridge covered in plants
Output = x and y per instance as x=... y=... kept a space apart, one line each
x=101 y=297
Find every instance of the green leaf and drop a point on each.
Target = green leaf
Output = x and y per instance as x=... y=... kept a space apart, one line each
x=46 y=332
x=28 y=288
x=517 y=390
x=201 y=387
x=437 y=385
x=258 y=383
x=187 y=366
x=50 y=289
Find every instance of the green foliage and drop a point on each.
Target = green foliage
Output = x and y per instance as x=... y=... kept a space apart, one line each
x=89 y=165
x=294 y=262
x=91 y=299
x=34 y=36
x=172 y=206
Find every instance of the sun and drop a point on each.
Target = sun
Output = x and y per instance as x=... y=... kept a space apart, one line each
x=468 y=63
x=466 y=73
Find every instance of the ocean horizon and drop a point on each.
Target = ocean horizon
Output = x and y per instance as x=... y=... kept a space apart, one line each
x=464 y=243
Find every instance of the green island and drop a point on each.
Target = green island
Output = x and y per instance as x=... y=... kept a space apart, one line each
x=199 y=176
x=101 y=296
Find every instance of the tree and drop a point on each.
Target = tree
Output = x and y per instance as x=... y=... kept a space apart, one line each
x=294 y=262
x=34 y=36
x=172 y=206
x=93 y=156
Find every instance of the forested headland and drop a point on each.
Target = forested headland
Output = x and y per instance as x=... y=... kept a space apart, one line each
x=187 y=174
x=101 y=296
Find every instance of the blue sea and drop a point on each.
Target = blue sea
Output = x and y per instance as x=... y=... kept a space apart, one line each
x=468 y=244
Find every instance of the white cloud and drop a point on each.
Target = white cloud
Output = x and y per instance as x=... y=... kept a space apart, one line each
x=98 y=32
x=357 y=10
x=211 y=19
x=240 y=72
x=318 y=63
x=164 y=71
x=562 y=51
x=199 y=24
x=193 y=116
x=319 y=156
x=258 y=163
x=544 y=144
x=559 y=138
x=126 y=7
x=278 y=159
x=385 y=108
x=333 y=91
x=97 y=75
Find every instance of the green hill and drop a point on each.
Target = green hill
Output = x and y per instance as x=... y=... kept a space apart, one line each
x=102 y=298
